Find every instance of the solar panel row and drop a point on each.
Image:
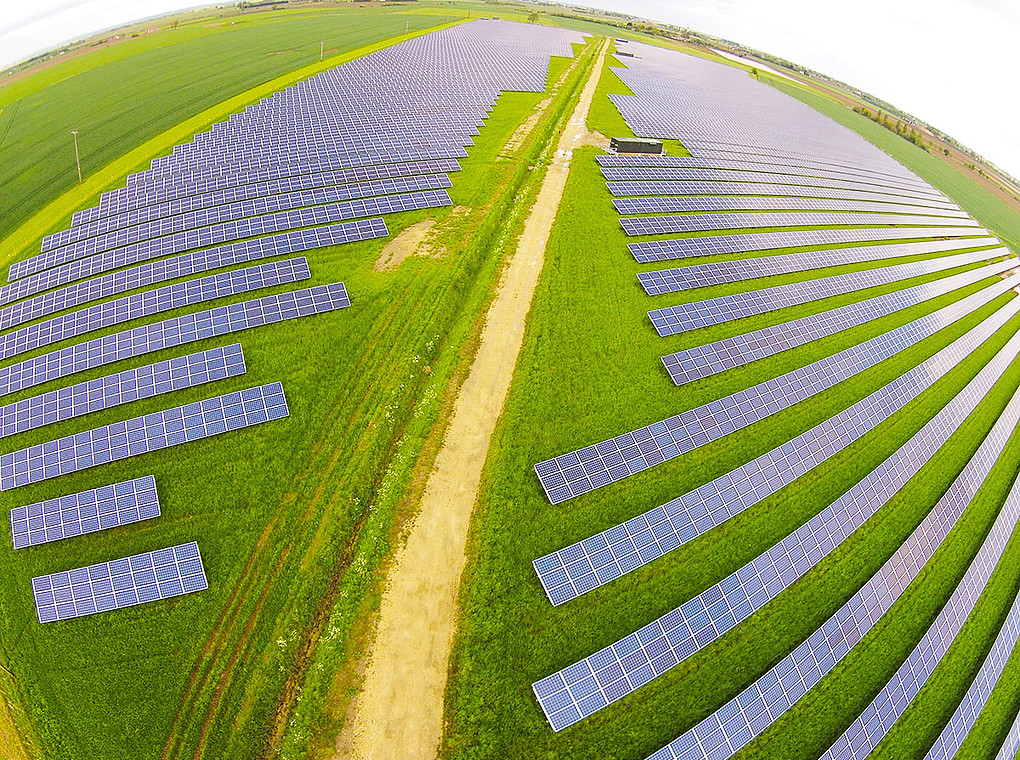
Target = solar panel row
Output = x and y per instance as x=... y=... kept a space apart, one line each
x=180 y=198
x=130 y=385
x=179 y=266
x=702 y=203
x=235 y=230
x=682 y=248
x=85 y=512
x=710 y=358
x=612 y=673
x=150 y=302
x=692 y=316
x=141 y=435
x=705 y=275
x=878 y=718
x=233 y=203
x=663 y=225
x=745 y=717
x=732 y=189
x=141 y=578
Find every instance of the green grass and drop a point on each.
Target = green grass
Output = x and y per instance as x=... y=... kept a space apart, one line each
x=586 y=383
x=123 y=95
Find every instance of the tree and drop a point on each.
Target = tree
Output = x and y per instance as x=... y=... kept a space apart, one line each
x=533 y=18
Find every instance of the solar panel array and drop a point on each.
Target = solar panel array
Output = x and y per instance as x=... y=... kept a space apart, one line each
x=149 y=302
x=692 y=316
x=86 y=512
x=375 y=136
x=140 y=435
x=710 y=358
x=878 y=718
x=703 y=275
x=659 y=205
x=761 y=159
x=595 y=561
x=141 y=578
x=661 y=225
x=927 y=204
x=121 y=388
x=746 y=716
x=610 y=674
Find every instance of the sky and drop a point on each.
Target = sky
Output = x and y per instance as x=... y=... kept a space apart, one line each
x=947 y=62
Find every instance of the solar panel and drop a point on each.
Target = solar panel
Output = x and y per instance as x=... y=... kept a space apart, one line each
x=121 y=388
x=875 y=194
x=141 y=578
x=177 y=331
x=150 y=302
x=86 y=512
x=681 y=248
x=662 y=225
x=702 y=361
x=141 y=435
x=692 y=316
x=717 y=272
x=578 y=691
x=747 y=715
x=599 y=559
x=645 y=174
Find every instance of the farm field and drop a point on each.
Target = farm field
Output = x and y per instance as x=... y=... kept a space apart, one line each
x=298 y=519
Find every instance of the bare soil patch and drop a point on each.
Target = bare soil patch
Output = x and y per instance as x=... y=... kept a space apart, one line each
x=403 y=245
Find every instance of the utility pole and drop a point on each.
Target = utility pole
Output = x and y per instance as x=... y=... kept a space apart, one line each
x=321 y=46
x=76 y=159
x=406 y=25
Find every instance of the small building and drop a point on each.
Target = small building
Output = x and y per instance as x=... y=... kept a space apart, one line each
x=636 y=145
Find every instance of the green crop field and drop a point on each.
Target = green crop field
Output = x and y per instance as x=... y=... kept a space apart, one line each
x=297 y=518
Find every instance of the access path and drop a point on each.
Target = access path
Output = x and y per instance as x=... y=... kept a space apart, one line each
x=399 y=712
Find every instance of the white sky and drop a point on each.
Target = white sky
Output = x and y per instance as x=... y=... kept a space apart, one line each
x=948 y=62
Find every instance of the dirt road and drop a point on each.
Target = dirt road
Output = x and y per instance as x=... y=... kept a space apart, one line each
x=399 y=712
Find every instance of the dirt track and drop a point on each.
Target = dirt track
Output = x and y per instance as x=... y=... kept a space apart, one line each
x=399 y=712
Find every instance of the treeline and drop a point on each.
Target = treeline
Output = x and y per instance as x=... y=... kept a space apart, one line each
x=897 y=126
